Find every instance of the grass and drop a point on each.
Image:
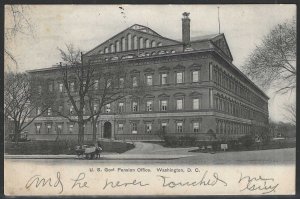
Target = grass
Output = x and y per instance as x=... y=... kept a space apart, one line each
x=42 y=147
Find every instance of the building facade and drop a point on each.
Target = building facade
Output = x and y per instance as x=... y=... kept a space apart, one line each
x=192 y=88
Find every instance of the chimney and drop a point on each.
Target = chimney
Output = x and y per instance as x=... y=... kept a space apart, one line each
x=186 y=28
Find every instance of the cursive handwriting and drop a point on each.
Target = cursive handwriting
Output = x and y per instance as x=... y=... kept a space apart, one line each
x=204 y=181
x=42 y=182
x=79 y=181
x=265 y=185
x=115 y=184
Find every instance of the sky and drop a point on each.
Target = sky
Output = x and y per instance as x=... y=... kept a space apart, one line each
x=86 y=26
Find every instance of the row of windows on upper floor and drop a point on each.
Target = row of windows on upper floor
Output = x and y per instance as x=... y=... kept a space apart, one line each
x=135 y=106
x=230 y=83
x=130 y=43
x=235 y=108
x=135 y=79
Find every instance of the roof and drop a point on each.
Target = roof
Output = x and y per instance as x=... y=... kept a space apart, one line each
x=204 y=37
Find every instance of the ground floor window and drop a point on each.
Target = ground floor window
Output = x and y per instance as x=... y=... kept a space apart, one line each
x=148 y=128
x=49 y=126
x=38 y=128
x=134 y=128
x=71 y=126
x=59 y=128
x=195 y=127
x=179 y=127
x=120 y=127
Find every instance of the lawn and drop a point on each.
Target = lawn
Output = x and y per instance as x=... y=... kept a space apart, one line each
x=35 y=147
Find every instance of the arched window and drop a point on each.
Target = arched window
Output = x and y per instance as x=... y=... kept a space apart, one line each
x=123 y=44
x=135 y=42
x=117 y=46
x=112 y=48
x=129 y=42
x=141 y=42
x=147 y=43
x=153 y=44
x=106 y=50
x=159 y=44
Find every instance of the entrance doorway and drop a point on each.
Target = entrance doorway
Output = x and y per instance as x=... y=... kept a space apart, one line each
x=107 y=130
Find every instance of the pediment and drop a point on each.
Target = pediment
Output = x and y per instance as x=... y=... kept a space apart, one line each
x=179 y=67
x=129 y=39
x=221 y=43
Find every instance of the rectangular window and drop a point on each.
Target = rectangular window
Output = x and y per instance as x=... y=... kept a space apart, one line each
x=72 y=87
x=179 y=77
x=50 y=87
x=40 y=89
x=179 y=104
x=38 y=110
x=49 y=111
x=149 y=80
x=134 y=128
x=96 y=84
x=195 y=76
x=164 y=77
x=121 y=107
x=134 y=82
x=108 y=83
x=49 y=126
x=134 y=106
x=149 y=105
x=120 y=127
x=71 y=109
x=38 y=128
x=61 y=87
x=148 y=128
x=59 y=129
x=163 y=105
x=121 y=82
x=71 y=126
x=196 y=127
x=195 y=104
x=107 y=108
x=95 y=107
x=164 y=127
x=179 y=127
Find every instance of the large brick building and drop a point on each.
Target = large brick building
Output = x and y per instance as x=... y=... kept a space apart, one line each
x=192 y=89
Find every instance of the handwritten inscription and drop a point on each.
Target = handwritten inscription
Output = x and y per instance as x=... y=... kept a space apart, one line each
x=38 y=181
x=114 y=184
x=260 y=184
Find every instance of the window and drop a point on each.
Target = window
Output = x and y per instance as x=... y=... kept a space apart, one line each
x=71 y=109
x=40 y=89
x=61 y=87
x=149 y=80
x=141 y=42
x=196 y=127
x=72 y=86
x=95 y=108
x=147 y=43
x=135 y=42
x=134 y=106
x=195 y=104
x=164 y=127
x=49 y=126
x=106 y=50
x=134 y=128
x=71 y=126
x=179 y=104
x=50 y=87
x=49 y=111
x=163 y=105
x=59 y=128
x=149 y=105
x=179 y=127
x=108 y=83
x=134 y=82
x=120 y=127
x=96 y=84
x=121 y=107
x=38 y=110
x=121 y=82
x=83 y=110
x=179 y=77
x=112 y=48
x=38 y=128
x=148 y=128
x=107 y=108
x=159 y=44
x=117 y=46
x=153 y=44
x=195 y=76
x=123 y=44
x=164 y=78
x=129 y=41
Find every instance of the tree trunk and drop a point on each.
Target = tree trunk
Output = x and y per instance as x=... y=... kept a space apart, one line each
x=16 y=130
x=94 y=123
x=80 y=131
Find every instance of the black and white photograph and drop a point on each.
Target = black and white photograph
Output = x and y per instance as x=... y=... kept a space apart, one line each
x=127 y=99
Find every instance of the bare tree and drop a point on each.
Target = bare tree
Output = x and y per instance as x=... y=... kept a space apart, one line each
x=22 y=104
x=291 y=113
x=273 y=62
x=17 y=22
x=94 y=88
